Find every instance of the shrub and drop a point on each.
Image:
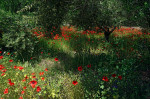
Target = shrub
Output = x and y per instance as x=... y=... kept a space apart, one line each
x=7 y=24
x=16 y=36
x=22 y=42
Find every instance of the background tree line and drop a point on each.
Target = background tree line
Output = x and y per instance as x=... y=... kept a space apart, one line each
x=84 y=14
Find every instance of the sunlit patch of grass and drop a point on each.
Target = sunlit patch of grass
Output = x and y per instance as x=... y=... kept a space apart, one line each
x=118 y=56
x=70 y=91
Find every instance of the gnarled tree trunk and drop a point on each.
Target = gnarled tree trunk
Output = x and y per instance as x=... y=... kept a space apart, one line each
x=107 y=32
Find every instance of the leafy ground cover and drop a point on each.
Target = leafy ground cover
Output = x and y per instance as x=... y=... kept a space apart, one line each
x=79 y=65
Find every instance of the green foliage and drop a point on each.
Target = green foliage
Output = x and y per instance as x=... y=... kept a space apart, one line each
x=51 y=14
x=13 y=5
x=89 y=14
x=7 y=23
x=20 y=40
x=15 y=35
x=137 y=13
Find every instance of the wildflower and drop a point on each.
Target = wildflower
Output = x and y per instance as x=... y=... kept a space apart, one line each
x=38 y=89
x=1 y=57
x=132 y=49
x=33 y=83
x=3 y=70
x=20 y=68
x=6 y=91
x=21 y=97
x=23 y=80
x=80 y=68
x=41 y=73
x=46 y=69
x=24 y=87
x=11 y=83
x=22 y=92
x=8 y=53
x=1 y=67
x=33 y=77
x=42 y=78
x=33 y=73
x=9 y=80
x=114 y=75
x=120 y=77
x=11 y=60
x=2 y=74
x=74 y=82
x=56 y=59
x=26 y=77
x=56 y=36
x=105 y=79
x=15 y=67
x=89 y=65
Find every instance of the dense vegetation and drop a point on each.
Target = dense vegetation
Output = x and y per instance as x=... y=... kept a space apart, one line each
x=94 y=57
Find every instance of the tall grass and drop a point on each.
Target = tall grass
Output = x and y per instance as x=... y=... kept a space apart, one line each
x=125 y=56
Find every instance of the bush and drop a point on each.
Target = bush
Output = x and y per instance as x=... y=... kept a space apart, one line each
x=16 y=36
x=7 y=24
x=22 y=41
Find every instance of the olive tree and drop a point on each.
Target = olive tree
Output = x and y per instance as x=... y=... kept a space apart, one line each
x=102 y=13
x=82 y=13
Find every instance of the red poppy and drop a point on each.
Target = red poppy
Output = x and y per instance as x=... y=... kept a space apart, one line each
x=3 y=70
x=120 y=77
x=11 y=83
x=74 y=82
x=21 y=97
x=33 y=77
x=89 y=65
x=56 y=59
x=80 y=68
x=114 y=75
x=0 y=52
x=11 y=60
x=9 y=80
x=23 y=80
x=24 y=87
x=20 y=68
x=2 y=74
x=6 y=91
x=1 y=66
x=8 y=53
x=31 y=57
x=105 y=79
x=38 y=89
x=41 y=52
x=41 y=73
x=26 y=77
x=22 y=92
x=42 y=78
x=15 y=67
x=33 y=83
x=33 y=73
x=1 y=57
x=46 y=69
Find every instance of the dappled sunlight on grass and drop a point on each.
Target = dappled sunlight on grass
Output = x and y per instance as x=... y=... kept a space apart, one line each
x=78 y=65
